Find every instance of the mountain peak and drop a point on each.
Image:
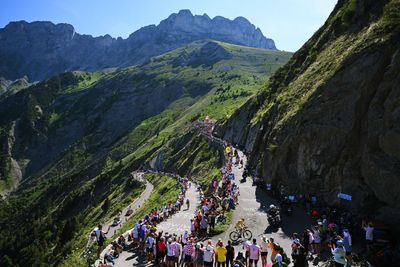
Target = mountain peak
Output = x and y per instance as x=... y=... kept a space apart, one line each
x=185 y=12
x=23 y=44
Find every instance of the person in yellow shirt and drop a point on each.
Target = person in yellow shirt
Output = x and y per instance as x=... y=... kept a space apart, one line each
x=228 y=151
x=220 y=253
x=240 y=224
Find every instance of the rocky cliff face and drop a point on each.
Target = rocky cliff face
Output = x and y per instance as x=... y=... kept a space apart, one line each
x=328 y=121
x=42 y=49
x=8 y=87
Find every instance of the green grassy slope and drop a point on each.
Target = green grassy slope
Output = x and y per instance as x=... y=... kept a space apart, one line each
x=125 y=118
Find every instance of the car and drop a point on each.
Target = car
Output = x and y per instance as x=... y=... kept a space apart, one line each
x=129 y=212
x=116 y=221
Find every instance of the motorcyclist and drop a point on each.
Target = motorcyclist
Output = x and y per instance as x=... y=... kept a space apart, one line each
x=273 y=210
x=273 y=215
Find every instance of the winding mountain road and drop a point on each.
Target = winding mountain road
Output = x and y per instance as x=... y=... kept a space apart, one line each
x=134 y=205
x=177 y=223
x=253 y=204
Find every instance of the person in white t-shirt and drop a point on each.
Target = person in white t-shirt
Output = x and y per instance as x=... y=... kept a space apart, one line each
x=369 y=234
x=170 y=253
x=208 y=255
x=150 y=247
x=316 y=245
x=177 y=247
x=264 y=250
x=254 y=253
x=246 y=246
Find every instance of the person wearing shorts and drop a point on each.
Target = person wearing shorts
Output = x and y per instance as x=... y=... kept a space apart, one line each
x=170 y=261
x=254 y=253
x=264 y=250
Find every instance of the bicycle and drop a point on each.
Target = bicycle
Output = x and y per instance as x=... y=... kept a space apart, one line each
x=242 y=232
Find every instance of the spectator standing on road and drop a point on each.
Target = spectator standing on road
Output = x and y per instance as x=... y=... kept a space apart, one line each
x=101 y=238
x=369 y=234
x=264 y=250
x=254 y=250
x=230 y=254
x=220 y=253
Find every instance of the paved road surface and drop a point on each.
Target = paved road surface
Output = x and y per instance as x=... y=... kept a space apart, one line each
x=134 y=205
x=253 y=203
x=178 y=223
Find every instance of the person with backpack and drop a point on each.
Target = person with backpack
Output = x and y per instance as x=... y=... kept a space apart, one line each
x=101 y=238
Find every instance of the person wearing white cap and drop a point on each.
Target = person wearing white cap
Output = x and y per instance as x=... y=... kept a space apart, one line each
x=279 y=262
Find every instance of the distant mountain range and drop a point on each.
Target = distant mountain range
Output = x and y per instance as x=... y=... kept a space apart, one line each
x=40 y=49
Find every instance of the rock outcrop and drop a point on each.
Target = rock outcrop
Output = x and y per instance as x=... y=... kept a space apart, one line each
x=8 y=87
x=328 y=122
x=43 y=49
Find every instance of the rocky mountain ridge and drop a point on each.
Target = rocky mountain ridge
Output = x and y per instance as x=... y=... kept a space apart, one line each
x=328 y=121
x=40 y=50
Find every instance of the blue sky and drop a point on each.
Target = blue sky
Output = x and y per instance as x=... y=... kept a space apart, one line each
x=289 y=22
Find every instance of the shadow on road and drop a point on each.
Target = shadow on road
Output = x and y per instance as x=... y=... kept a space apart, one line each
x=295 y=223
x=135 y=256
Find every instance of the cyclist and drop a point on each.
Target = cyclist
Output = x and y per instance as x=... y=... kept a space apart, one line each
x=240 y=224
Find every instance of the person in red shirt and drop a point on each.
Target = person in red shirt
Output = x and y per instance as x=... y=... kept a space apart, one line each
x=162 y=247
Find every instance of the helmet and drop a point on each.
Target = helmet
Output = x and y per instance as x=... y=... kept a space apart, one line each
x=272 y=206
x=339 y=243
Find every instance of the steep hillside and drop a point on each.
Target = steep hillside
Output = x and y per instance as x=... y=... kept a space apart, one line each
x=328 y=121
x=40 y=50
x=74 y=139
x=8 y=88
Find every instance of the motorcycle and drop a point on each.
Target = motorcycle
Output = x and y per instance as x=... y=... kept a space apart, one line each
x=274 y=219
